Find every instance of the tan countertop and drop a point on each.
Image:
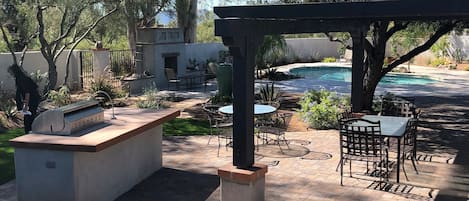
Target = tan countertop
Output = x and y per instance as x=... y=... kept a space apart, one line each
x=130 y=122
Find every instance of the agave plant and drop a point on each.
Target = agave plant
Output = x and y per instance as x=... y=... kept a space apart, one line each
x=269 y=93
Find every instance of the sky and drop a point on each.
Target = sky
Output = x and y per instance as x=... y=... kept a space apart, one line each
x=164 y=18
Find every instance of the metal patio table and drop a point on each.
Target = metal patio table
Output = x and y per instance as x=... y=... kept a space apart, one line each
x=392 y=127
x=258 y=109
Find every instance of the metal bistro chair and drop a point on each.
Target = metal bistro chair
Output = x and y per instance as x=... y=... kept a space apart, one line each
x=409 y=146
x=212 y=113
x=398 y=107
x=361 y=140
x=172 y=77
x=277 y=127
x=220 y=125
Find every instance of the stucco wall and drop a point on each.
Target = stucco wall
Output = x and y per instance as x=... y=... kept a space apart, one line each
x=34 y=61
x=307 y=48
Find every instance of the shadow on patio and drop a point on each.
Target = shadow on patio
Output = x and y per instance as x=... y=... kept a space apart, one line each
x=173 y=184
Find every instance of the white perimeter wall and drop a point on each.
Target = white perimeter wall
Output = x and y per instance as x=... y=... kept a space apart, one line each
x=307 y=48
x=34 y=61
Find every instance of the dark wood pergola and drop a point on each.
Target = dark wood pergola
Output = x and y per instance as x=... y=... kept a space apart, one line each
x=243 y=28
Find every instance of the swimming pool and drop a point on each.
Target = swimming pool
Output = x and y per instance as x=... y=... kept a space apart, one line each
x=344 y=74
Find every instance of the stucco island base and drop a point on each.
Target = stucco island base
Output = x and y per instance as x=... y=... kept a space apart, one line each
x=242 y=184
x=97 y=166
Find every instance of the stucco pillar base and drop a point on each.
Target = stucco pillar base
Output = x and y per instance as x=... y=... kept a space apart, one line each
x=242 y=184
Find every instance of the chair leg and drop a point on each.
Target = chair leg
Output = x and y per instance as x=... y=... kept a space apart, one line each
x=403 y=167
x=338 y=165
x=285 y=140
x=350 y=167
x=341 y=171
x=413 y=159
x=278 y=143
x=210 y=137
x=219 y=144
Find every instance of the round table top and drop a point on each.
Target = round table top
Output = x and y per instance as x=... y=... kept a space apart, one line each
x=258 y=109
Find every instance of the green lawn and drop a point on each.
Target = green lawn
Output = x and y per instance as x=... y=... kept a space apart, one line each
x=7 y=165
x=180 y=127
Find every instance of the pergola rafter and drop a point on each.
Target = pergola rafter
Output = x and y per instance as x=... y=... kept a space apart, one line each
x=243 y=28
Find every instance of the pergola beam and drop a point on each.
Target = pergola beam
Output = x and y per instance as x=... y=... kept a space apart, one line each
x=377 y=10
x=232 y=27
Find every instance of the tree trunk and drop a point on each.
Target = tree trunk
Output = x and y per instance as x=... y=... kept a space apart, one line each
x=132 y=35
x=186 y=11
x=192 y=24
x=52 y=74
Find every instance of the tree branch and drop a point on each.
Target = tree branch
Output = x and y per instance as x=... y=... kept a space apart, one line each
x=62 y=22
x=70 y=27
x=42 y=39
x=75 y=44
x=335 y=39
x=10 y=48
x=444 y=29
x=23 y=53
x=398 y=26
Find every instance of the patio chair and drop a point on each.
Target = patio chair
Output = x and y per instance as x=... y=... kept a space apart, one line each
x=409 y=146
x=277 y=127
x=212 y=114
x=220 y=125
x=398 y=107
x=361 y=140
x=172 y=78
x=410 y=142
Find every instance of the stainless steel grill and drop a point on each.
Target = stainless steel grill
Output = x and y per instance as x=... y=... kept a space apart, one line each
x=69 y=119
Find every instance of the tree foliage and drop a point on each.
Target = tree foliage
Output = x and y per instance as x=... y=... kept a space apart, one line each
x=55 y=37
x=206 y=29
x=140 y=13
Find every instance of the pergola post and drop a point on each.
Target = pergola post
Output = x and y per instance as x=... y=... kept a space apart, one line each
x=243 y=101
x=243 y=180
x=358 y=38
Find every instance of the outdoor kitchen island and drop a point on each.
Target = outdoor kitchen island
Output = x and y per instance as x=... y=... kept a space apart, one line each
x=98 y=163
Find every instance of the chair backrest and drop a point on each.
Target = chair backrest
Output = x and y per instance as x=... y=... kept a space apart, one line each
x=361 y=138
x=170 y=74
x=410 y=136
x=345 y=114
x=215 y=117
x=285 y=119
x=401 y=108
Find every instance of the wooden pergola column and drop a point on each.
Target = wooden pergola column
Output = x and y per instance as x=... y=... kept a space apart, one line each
x=358 y=55
x=243 y=50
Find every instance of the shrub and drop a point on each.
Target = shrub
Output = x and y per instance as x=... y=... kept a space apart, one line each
x=329 y=60
x=440 y=61
x=151 y=99
x=320 y=108
x=60 y=97
x=102 y=84
x=38 y=77
x=220 y=100
x=9 y=108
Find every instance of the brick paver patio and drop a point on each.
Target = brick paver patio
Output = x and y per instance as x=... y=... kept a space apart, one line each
x=307 y=170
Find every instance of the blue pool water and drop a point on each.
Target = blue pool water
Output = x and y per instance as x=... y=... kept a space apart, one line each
x=344 y=74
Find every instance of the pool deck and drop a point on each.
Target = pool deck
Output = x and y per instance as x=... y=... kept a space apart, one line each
x=450 y=82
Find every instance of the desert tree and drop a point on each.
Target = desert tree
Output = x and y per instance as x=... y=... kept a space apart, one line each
x=57 y=29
